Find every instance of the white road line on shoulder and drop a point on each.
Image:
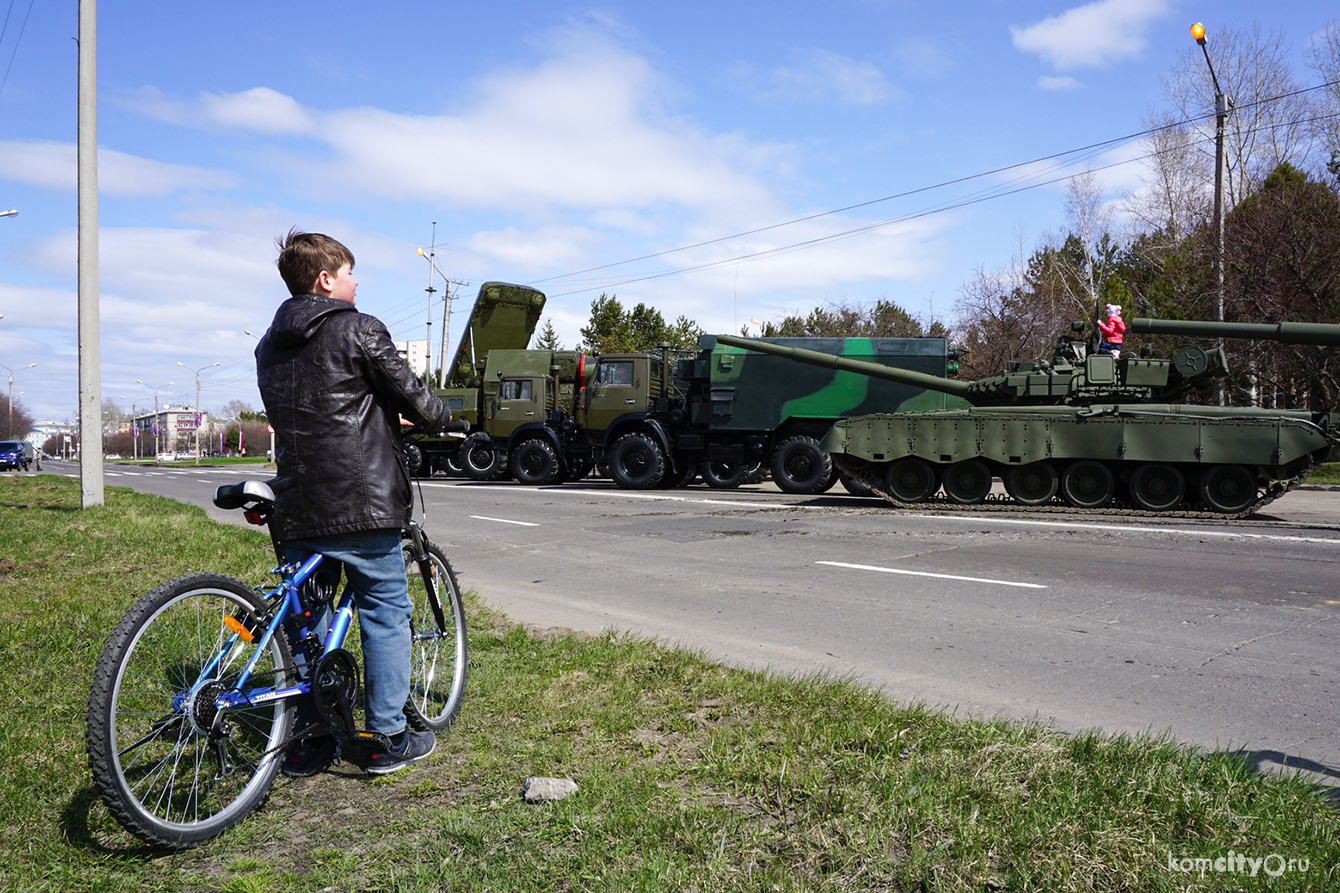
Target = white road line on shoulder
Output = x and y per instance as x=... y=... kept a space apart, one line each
x=1131 y=528
x=504 y=521
x=891 y=570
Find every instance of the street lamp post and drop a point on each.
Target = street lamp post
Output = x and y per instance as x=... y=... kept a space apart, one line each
x=158 y=446
x=9 y=428
x=197 y=403
x=1221 y=105
x=12 y=212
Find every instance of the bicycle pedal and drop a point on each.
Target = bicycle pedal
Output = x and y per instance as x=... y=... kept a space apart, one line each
x=372 y=740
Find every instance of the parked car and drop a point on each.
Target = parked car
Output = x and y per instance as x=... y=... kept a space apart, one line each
x=13 y=455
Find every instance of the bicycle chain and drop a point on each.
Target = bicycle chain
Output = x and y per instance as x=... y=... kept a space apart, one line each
x=1057 y=506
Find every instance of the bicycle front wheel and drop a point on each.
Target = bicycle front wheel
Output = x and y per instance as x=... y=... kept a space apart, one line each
x=172 y=770
x=438 y=649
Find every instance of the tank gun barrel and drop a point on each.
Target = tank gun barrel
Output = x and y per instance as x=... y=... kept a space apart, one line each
x=1285 y=332
x=874 y=370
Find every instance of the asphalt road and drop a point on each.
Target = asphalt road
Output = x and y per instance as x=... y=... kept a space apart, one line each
x=1220 y=634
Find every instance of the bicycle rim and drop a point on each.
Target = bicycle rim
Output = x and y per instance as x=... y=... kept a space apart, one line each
x=167 y=770
x=437 y=652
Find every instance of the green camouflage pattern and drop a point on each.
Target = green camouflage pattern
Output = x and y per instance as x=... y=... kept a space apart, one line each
x=746 y=391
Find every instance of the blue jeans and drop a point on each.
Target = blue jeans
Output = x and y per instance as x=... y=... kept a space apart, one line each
x=375 y=570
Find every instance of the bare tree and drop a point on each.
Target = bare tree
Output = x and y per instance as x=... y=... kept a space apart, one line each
x=1324 y=59
x=1268 y=121
x=1173 y=200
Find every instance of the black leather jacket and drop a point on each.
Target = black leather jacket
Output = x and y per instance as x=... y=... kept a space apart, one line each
x=334 y=388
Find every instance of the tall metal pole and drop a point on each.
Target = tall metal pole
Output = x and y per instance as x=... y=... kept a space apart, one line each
x=90 y=373
x=9 y=429
x=1220 y=174
x=197 y=403
x=158 y=446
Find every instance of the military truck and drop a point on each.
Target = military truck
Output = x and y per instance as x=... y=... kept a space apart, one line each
x=503 y=318
x=655 y=421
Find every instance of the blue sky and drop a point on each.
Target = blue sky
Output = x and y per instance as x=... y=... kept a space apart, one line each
x=551 y=143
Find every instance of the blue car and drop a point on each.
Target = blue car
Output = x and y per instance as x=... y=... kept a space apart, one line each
x=12 y=455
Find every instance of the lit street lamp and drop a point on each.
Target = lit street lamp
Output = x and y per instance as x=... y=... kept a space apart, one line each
x=9 y=428
x=158 y=445
x=1221 y=105
x=197 y=403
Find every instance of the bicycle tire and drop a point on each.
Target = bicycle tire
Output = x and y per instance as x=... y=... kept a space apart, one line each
x=160 y=772
x=438 y=652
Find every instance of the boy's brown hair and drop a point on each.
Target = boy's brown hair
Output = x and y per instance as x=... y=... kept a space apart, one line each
x=302 y=257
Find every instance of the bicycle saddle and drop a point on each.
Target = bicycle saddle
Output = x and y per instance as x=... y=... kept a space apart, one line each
x=249 y=494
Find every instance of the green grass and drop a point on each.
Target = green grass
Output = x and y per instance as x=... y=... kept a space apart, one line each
x=1325 y=474
x=692 y=776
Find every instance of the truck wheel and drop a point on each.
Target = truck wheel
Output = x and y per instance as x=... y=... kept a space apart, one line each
x=578 y=469
x=681 y=478
x=452 y=465
x=724 y=475
x=480 y=460
x=755 y=473
x=534 y=462
x=799 y=466
x=637 y=462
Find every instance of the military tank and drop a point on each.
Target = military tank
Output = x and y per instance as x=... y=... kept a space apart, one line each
x=1084 y=431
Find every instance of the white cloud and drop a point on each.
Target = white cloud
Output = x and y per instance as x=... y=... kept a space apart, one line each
x=51 y=165
x=823 y=76
x=261 y=109
x=546 y=248
x=1096 y=34
x=1058 y=83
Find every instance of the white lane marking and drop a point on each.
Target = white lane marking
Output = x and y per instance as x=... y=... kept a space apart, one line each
x=1130 y=528
x=504 y=521
x=890 y=570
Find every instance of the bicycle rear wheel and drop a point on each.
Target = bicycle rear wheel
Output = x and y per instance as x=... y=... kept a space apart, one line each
x=170 y=770
x=438 y=650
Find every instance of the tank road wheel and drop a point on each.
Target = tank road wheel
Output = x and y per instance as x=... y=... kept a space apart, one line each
x=722 y=475
x=799 y=466
x=1087 y=484
x=913 y=479
x=1031 y=484
x=1227 y=488
x=1157 y=487
x=534 y=462
x=637 y=462
x=968 y=482
x=480 y=460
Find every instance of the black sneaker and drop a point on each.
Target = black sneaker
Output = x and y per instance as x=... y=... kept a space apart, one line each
x=310 y=755
x=408 y=749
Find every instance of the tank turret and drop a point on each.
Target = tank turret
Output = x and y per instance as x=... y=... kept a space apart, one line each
x=1086 y=430
x=1072 y=376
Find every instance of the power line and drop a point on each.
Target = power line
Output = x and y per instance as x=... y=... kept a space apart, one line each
x=998 y=191
x=17 y=40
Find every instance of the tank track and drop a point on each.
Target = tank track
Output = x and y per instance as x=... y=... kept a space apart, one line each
x=940 y=503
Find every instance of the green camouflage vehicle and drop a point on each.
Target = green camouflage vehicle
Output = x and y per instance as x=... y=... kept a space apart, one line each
x=743 y=408
x=1084 y=431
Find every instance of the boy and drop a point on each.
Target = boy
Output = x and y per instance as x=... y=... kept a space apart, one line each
x=334 y=389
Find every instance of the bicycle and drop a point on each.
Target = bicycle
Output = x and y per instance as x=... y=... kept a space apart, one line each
x=193 y=700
